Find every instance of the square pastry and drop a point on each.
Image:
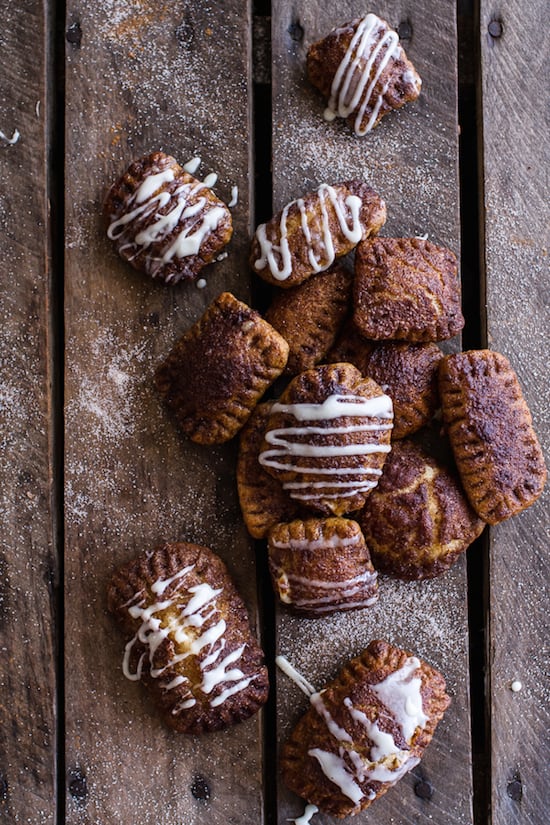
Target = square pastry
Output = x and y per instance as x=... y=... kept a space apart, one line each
x=218 y=370
x=406 y=289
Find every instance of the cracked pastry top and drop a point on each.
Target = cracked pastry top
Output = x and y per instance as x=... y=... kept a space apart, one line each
x=218 y=370
x=189 y=637
x=490 y=428
x=418 y=520
x=321 y=566
x=365 y=730
x=311 y=232
x=406 y=289
x=327 y=438
x=164 y=221
x=363 y=72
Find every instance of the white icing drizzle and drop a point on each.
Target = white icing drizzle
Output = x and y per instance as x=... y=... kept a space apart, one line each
x=335 y=769
x=278 y=257
x=347 y=589
x=400 y=693
x=194 y=628
x=284 y=665
x=234 y=197
x=14 y=138
x=193 y=214
x=353 y=87
x=192 y=165
x=286 y=444
x=307 y=816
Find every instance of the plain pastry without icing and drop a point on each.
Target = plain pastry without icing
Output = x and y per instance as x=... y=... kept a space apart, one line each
x=365 y=730
x=189 y=637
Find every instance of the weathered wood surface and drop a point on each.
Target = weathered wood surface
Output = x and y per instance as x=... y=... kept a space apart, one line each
x=411 y=159
x=514 y=53
x=28 y=563
x=142 y=77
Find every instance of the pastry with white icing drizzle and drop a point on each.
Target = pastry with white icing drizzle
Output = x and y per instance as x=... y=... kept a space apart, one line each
x=219 y=369
x=311 y=232
x=327 y=438
x=497 y=452
x=310 y=315
x=363 y=73
x=321 y=566
x=164 y=221
x=365 y=730
x=406 y=289
x=418 y=520
x=263 y=501
x=408 y=373
x=189 y=639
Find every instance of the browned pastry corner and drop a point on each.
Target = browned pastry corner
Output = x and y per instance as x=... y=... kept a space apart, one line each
x=310 y=233
x=165 y=222
x=350 y=347
x=218 y=371
x=328 y=437
x=365 y=730
x=321 y=566
x=263 y=501
x=189 y=638
x=363 y=73
x=309 y=316
x=406 y=289
x=490 y=428
x=418 y=520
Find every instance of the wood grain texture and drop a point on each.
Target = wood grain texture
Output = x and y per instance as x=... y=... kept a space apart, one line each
x=515 y=179
x=141 y=77
x=411 y=160
x=28 y=563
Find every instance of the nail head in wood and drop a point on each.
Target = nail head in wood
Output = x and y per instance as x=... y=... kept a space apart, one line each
x=424 y=789
x=200 y=789
x=495 y=28
x=296 y=31
x=3 y=787
x=78 y=786
x=515 y=789
x=404 y=30
x=74 y=35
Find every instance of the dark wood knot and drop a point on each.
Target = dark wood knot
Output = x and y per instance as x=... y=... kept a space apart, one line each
x=74 y=35
x=405 y=30
x=200 y=789
x=296 y=31
x=495 y=28
x=424 y=789
x=78 y=786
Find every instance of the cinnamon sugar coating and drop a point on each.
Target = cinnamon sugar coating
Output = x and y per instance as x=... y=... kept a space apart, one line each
x=263 y=501
x=363 y=72
x=321 y=566
x=218 y=370
x=328 y=437
x=309 y=316
x=490 y=428
x=406 y=289
x=189 y=639
x=361 y=732
x=164 y=221
x=310 y=233
x=418 y=520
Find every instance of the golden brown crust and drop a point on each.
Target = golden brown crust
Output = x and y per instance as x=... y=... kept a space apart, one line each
x=309 y=316
x=406 y=289
x=328 y=463
x=350 y=347
x=353 y=690
x=196 y=690
x=313 y=208
x=418 y=521
x=262 y=498
x=219 y=369
x=146 y=241
x=321 y=566
x=397 y=83
x=490 y=428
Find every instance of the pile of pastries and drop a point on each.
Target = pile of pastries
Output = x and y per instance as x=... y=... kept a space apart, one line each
x=332 y=472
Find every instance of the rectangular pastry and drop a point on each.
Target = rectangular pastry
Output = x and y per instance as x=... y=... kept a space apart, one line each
x=189 y=637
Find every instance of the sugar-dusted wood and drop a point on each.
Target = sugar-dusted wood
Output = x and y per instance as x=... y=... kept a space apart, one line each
x=411 y=159
x=175 y=77
x=514 y=49
x=28 y=560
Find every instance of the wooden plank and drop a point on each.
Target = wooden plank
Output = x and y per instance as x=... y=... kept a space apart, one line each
x=411 y=160
x=140 y=77
x=28 y=561
x=514 y=46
